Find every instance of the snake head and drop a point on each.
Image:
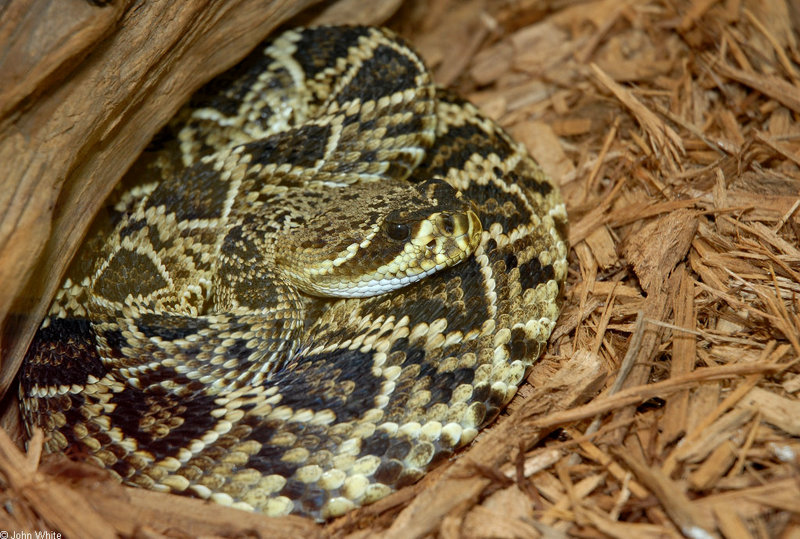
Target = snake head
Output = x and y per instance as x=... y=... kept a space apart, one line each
x=372 y=238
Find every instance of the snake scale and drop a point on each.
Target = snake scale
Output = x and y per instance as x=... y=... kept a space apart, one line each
x=323 y=277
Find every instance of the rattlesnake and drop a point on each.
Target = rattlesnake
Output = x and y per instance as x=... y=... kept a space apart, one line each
x=182 y=354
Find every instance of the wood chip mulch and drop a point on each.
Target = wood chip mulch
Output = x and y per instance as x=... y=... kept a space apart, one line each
x=667 y=402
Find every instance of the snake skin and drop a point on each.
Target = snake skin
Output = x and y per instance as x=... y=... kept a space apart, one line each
x=179 y=356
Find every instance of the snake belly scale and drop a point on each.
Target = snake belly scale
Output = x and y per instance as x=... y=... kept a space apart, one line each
x=323 y=277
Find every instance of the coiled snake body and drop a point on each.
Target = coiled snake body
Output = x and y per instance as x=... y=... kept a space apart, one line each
x=326 y=276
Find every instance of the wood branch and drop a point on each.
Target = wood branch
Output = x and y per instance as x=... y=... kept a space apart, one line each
x=89 y=86
x=81 y=501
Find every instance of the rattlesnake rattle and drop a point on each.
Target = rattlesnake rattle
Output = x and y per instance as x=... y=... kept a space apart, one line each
x=324 y=277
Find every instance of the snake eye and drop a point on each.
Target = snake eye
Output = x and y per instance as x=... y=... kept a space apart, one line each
x=398 y=231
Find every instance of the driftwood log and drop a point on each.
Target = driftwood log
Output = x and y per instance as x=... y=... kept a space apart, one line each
x=83 y=89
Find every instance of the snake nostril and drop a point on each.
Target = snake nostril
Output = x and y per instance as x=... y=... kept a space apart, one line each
x=431 y=245
x=447 y=224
